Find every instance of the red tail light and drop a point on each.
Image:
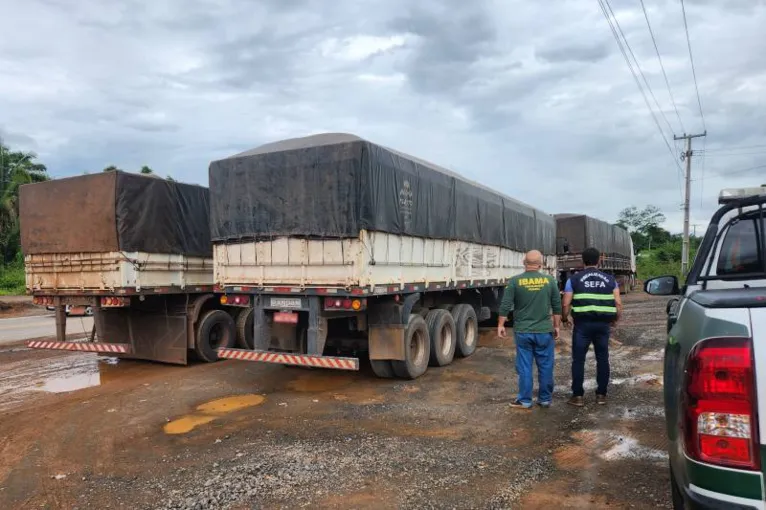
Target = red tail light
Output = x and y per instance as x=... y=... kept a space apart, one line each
x=720 y=419
x=114 y=301
x=345 y=304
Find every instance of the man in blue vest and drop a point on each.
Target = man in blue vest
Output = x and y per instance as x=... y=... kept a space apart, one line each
x=593 y=297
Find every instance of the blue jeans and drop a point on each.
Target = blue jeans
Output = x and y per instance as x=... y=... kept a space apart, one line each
x=540 y=347
x=584 y=334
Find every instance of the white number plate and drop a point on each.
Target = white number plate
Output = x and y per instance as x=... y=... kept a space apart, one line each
x=285 y=302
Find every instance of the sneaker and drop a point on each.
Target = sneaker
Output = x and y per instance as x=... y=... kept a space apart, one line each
x=545 y=405
x=576 y=401
x=601 y=399
x=517 y=404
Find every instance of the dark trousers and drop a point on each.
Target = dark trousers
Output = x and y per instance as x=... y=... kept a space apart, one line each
x=584 y=334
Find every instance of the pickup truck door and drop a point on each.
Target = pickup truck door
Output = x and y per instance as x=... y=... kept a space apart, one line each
x=758 y=332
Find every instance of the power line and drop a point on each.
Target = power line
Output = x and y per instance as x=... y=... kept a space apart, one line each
x=702 y=177
x=640 y=87
x=733 y=155
x=741 y=147
x=630 y=50
x=741 y=170
x=662 y=66
x=691 y=59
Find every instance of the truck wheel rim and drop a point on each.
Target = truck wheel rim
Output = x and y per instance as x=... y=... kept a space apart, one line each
x=470 y=332
x=216 y=336
x=417 y=348
x=446 y=340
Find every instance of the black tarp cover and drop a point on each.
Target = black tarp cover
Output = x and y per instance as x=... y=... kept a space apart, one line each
x=335 y=185
x=578 y=231
x=115 y=211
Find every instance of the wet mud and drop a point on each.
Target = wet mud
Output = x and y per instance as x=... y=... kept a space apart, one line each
x=82 y=431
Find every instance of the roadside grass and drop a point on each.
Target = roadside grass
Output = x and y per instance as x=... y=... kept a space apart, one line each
x=12 y=279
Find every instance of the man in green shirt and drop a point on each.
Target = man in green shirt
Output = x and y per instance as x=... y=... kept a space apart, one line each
x=533 y=297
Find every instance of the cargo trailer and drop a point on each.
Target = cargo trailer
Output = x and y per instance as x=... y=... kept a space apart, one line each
x=337 y=248
x=576 y=232
x=136 y=251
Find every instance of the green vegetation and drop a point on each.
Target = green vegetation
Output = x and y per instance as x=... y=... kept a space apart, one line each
x=16 y=169
x=12 y=277
x=658 y=252
x=665 y=260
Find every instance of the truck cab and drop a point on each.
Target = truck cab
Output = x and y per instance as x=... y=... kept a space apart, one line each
x=715 y=361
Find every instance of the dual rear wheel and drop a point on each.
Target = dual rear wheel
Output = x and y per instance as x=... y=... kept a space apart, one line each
x=433 y=341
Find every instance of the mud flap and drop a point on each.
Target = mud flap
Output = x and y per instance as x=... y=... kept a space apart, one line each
x=386 y=342
x=154 y=337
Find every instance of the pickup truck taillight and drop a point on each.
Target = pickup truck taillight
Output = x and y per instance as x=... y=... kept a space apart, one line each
x=720 y=421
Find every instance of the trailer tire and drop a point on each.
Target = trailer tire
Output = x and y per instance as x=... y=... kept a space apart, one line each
x=467 y=329
x=441 y=329
x=382 y=368
x=216 y=329
x=245 y=329
x=417 y=349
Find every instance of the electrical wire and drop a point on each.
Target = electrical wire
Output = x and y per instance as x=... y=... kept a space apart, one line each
x=741 y=147
x=641 y=89
x=702 y=177
x=630 y=50
x=733 y=155
x=662 y=66
x=691 y=59
x=741 y=170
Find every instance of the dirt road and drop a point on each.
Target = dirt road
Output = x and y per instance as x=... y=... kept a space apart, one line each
x=245 y=435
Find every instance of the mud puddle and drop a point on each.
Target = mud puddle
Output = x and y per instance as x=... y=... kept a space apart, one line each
x=211 y=411
x=25 y=379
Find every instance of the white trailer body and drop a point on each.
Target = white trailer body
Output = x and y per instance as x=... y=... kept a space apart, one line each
x=116 y=272
x=375 y=261
x=339 y=248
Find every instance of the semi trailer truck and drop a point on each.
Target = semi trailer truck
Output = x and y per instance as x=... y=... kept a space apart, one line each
x=335 y=248
x=136 y=251
x=576 y=232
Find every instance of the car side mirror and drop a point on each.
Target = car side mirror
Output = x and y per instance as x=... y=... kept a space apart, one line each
x=662 y=286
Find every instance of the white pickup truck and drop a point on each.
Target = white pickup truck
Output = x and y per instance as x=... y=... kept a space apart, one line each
x=715 y=361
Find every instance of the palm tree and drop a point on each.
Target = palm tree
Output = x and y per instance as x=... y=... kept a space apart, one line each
x=16 y=169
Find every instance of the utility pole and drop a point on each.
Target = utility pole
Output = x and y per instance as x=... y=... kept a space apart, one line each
x=694 y=226
x=687 y=191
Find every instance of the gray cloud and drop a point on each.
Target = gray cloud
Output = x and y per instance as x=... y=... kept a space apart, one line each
x=535 y=101
x=563 y=52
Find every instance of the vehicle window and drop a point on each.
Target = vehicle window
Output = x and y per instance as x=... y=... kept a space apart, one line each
x=740 y=253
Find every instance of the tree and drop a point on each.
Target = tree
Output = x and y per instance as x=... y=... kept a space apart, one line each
x=16 y=169
x=635 y=220
x=111 y=168
x=146 y=170
x=170 y=179
x=644 y=226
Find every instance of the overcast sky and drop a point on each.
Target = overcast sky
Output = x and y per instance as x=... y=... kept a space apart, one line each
x=531 y=98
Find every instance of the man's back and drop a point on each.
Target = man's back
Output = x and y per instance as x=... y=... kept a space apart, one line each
x=532 y=296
